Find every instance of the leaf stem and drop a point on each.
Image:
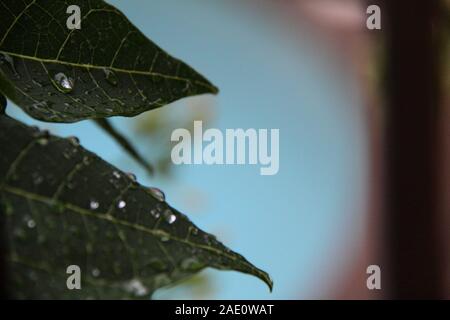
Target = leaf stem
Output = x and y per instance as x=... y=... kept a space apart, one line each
x=120 y=139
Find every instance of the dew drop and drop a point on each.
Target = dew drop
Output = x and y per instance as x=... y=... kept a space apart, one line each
x=63 y=83
x=111 y=77
x=132 y=176
x=116 y=174
x=94 y=205
x=136 y=287
x=87 y=160
x=74 y=141
x=169 y=216
x=43 y=141
x=154 y=213
x=31 y=223
x=121 y=204
x=158 y=194
x=95 y=272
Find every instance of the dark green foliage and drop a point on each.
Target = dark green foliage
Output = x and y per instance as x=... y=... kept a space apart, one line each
x=62 y=205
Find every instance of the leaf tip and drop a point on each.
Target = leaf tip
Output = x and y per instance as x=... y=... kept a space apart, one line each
x=265 y=277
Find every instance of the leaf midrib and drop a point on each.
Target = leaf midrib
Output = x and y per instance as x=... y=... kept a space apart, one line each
x=120 y=70
x=108 y=217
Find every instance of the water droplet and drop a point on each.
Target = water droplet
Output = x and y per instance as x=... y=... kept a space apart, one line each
x=63 y=83
x=157 y=193
x=31 y=223
x=169 y=216
x=116 y=174
x=121 y=204
x=191 y=264
x=132 y=176
x=95 y=272
x=87 y=160
x=154 y=213
x=136 y=287
x=110 y=77
x=74 y=141
x=94 y=205
x=43 y=141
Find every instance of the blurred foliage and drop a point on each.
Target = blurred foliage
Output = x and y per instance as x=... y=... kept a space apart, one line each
x=155 y=128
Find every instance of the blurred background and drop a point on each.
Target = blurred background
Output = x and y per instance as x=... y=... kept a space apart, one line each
x=310 y=68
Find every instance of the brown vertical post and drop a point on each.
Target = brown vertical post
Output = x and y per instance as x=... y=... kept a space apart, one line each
x=414 y=248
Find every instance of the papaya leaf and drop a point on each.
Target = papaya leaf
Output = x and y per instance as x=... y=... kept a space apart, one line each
x=64 y=206
x=106 y=68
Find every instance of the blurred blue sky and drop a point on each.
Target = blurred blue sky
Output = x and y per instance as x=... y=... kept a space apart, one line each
x=301 y=224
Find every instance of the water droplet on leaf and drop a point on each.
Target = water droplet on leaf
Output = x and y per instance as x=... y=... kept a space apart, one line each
x=31 y=223
x=95 y=272
x=116 y=174
x=87 y=160
x=74 y=141
x=42 y=141
x=154 y=213
x=132 y=176
x=63 y=83
x=121 y=204
x=158 y=194
x=169 y=216
x=136 y=287
x=94 y=205
x=111 y=77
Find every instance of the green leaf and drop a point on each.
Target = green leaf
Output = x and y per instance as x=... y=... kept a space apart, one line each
x=65 y=206
x=107 y=68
